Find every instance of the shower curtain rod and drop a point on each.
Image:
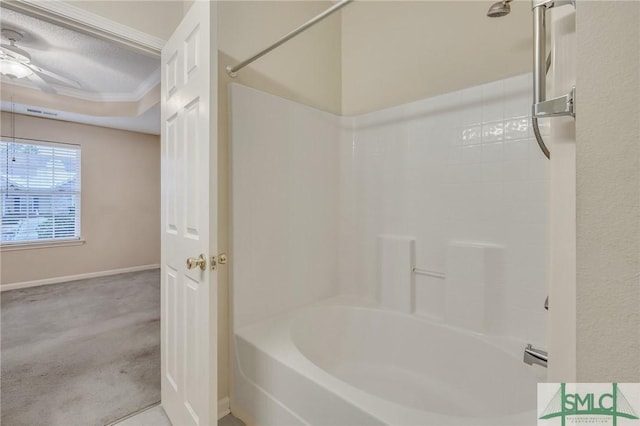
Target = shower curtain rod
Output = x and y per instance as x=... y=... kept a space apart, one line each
x=233 y=70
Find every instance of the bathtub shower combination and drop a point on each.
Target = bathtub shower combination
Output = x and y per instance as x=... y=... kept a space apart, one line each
x=389 y=267
x=345 y=364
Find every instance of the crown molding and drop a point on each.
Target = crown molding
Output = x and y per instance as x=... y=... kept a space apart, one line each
x=34 y=97
x=69 y=16
x=133 y=117
x=140 y=92
x=147 y=85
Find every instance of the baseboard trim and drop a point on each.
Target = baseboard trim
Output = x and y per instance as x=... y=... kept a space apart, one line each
x=223 y=407
x=57 y=280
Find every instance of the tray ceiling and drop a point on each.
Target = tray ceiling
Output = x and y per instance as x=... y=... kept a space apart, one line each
x=107 y=72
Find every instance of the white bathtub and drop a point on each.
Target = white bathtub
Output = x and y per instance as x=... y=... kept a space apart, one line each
x=353 y=365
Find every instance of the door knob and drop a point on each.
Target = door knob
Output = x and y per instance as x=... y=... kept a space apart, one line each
x=201 y=261
x=219 y=259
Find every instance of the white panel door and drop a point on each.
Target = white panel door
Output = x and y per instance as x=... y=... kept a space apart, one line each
x=189 y=220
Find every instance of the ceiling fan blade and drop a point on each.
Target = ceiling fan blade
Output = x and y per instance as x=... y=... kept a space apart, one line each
x=55 y=76
x=38 y=81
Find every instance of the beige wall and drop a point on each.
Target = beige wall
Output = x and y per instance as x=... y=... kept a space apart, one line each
x=608 y=191
x=156 y=18
x=395 y=52
x=120 y=202
x=307 y=69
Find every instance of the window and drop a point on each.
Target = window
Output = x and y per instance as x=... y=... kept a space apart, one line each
x=39 y=191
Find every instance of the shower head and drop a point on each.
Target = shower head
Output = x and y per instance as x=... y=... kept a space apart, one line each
x=499 y=9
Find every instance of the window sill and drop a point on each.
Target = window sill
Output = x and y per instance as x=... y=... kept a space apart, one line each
x=42 y=245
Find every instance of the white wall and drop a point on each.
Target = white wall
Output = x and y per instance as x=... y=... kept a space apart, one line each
x=461 y=167
x=608 y=191
x=285 y=213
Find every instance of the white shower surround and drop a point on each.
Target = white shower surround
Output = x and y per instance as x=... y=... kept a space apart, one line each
x=312 y=191
x=461 y=167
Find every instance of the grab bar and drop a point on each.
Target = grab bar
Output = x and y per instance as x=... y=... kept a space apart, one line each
x=428 y=273
x=542 y=107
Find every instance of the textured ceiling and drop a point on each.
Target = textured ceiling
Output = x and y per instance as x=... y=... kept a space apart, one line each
x=113 y=79
x=102 y=68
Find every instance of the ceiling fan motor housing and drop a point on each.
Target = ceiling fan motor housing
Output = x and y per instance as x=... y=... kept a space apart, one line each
x=15 y=63
x=12 y=51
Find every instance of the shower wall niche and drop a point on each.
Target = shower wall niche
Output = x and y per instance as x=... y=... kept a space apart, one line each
x=312 y=193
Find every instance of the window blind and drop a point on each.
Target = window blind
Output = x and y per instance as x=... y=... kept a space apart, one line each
x=39 y=191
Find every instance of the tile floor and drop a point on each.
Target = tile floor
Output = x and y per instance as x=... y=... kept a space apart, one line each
x=155 y=416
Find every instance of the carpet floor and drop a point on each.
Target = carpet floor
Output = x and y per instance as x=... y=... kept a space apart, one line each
x=80 y=353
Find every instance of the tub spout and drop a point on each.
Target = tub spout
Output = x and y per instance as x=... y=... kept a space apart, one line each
x=535 y=356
